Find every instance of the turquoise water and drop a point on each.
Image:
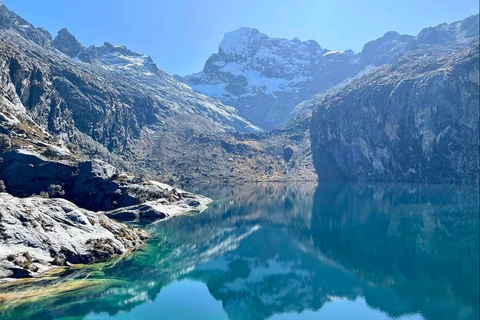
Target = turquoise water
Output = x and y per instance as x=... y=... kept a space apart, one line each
x=291 y=251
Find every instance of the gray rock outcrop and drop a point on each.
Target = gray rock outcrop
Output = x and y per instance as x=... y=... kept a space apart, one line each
x=10 y=20
x=416 y=119
x=92 y=184
x=39 y=234
x=67 y=43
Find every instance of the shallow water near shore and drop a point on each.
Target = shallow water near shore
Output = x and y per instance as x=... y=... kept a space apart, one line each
x=285 y=251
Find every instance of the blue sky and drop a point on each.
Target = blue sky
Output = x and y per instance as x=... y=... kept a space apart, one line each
x=181 y=34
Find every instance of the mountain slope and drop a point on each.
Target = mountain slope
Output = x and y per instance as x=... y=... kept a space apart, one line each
x=112 y=103
x=140 y=68
x=117 y=105
x=416 y=119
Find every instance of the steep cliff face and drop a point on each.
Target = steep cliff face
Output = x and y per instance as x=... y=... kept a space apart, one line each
x=416 y=119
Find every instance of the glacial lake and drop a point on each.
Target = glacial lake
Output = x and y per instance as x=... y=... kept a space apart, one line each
x=285 y=251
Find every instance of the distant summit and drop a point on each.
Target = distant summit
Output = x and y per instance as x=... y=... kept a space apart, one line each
x=67 y=43
x=266 y=78
x=251 y=70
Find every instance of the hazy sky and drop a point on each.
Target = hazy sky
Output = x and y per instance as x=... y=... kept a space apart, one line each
x=181 y=34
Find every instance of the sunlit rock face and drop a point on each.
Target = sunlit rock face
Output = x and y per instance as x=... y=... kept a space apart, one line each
x=109 y=93
x=95 y=185
x=115 y=104
x=39 y=234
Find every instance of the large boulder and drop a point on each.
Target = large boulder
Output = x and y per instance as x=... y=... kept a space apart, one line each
x=38 y=234
x=27 y=172
x=174 y=202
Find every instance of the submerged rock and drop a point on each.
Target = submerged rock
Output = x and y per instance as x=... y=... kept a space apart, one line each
x=38 y=234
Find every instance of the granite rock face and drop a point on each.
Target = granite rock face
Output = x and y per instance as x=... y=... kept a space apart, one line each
x=39 y=234
x=112 y=101
x=415 y=119
x=10 y=20
x=114 y=104
x=109 y=93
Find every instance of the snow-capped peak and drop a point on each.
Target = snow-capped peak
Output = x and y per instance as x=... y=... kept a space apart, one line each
x=241 y=43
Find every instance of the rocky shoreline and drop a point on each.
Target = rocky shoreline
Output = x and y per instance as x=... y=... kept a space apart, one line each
x=61 y=210
x=40 y=234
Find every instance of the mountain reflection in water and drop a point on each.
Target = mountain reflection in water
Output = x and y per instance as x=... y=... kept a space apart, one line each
x=290 y=251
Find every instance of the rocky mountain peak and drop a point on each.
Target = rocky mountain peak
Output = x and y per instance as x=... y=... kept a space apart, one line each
x=10 y=20
x=110 y=48
x=241 y=44
x=448 y=36
x=108 y=55
x=458 y=33
x=385 y=48
x=67 y=43
x=251 y=70
x=120 y=58
x=246 y=45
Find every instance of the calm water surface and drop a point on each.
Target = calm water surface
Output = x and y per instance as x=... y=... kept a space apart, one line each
x=288 y=251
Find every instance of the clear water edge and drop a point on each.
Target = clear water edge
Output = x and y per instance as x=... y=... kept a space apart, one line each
x=291 y=251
